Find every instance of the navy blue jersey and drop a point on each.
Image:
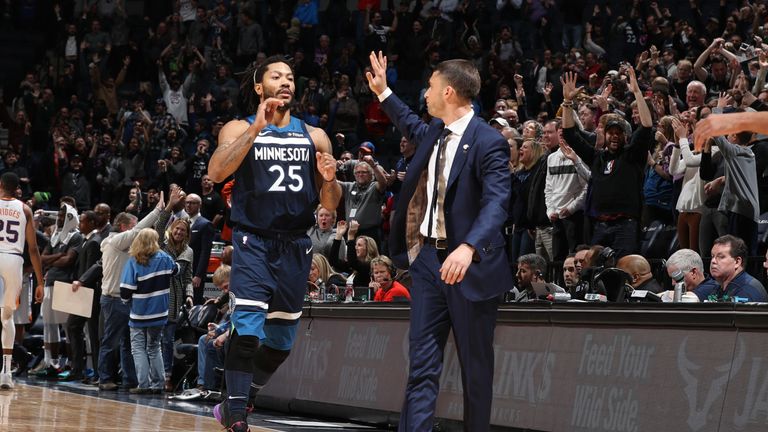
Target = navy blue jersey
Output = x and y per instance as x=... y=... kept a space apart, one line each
x=275 y=185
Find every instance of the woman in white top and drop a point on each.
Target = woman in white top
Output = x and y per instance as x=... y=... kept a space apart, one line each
x=690 y=203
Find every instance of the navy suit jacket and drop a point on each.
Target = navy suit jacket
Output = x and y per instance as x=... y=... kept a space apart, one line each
x=475 y=204
x=201 y=242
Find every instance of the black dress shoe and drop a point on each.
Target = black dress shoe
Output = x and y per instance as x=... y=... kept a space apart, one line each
x=109 y=386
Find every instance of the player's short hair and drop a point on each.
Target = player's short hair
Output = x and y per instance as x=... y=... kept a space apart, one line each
x=253 y=75
x=10 y=182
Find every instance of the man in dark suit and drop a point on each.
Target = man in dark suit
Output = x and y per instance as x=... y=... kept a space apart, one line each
x=90 y=254
x=448 y=231
x=200 y=242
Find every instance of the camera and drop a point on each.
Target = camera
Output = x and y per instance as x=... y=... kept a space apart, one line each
x=748 y=50
x=46 y=214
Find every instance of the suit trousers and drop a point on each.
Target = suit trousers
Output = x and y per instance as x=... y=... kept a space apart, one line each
x=76 y=336
x=436 y=308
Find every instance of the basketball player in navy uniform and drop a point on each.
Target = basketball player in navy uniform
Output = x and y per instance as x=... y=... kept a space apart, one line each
x=283 y=168
x=15 y=229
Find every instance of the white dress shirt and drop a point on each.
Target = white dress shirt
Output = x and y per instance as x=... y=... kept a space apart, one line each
x=453 y=139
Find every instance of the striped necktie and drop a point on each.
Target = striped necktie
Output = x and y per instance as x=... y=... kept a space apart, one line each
x=438 y=189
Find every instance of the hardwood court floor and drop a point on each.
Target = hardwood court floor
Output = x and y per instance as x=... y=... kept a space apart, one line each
x=32 y=408
x=40 y=405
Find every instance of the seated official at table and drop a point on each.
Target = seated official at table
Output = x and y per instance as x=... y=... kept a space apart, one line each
x=386 y=289
x=639 y=270
x=729 y=258
x=689 y=263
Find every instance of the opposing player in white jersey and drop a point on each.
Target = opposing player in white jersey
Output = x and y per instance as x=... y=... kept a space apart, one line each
x=15 y=229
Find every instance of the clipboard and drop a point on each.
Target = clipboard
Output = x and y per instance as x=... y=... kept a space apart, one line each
x=76 y=303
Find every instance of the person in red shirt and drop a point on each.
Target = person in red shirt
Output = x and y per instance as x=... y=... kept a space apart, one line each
x=386 y=289
x=226 y=195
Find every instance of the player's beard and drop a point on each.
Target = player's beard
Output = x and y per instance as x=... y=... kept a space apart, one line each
x=287 y=106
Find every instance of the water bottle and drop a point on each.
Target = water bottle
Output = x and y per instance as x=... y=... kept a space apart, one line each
x=321 y=290
x=679 y=286
x=349 y=290
x=679 y=290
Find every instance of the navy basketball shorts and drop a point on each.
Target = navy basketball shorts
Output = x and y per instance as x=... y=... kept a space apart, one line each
x=269 y=280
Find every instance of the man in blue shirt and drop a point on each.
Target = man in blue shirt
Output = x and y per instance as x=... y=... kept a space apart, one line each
x=729 y=258
x=689 y=263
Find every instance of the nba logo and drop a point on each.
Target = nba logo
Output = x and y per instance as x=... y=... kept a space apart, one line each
x=609 y=167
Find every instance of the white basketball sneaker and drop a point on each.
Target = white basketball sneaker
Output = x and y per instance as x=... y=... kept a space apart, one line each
x=6 y=382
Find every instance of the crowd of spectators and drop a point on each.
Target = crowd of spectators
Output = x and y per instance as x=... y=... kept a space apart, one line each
x=598 y=100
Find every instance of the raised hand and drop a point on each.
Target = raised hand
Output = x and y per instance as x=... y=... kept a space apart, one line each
x=644 y=57
x=724 y=100
x=377 y=81
x=654 y=56
x=568 y=152
x=354 y=225
x=548 y=90
x=658 y=106
x=568 y=80
x=518 y=80
x=634 y=87
x=341 y=228
x=712 y=126
x=602 y=99
x=762 y=59
x=266 y=112
x=680 y=128
x=599 y=138
x=177 y=194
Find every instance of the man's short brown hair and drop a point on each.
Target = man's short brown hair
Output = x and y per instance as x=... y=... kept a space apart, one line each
x=462 y=76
